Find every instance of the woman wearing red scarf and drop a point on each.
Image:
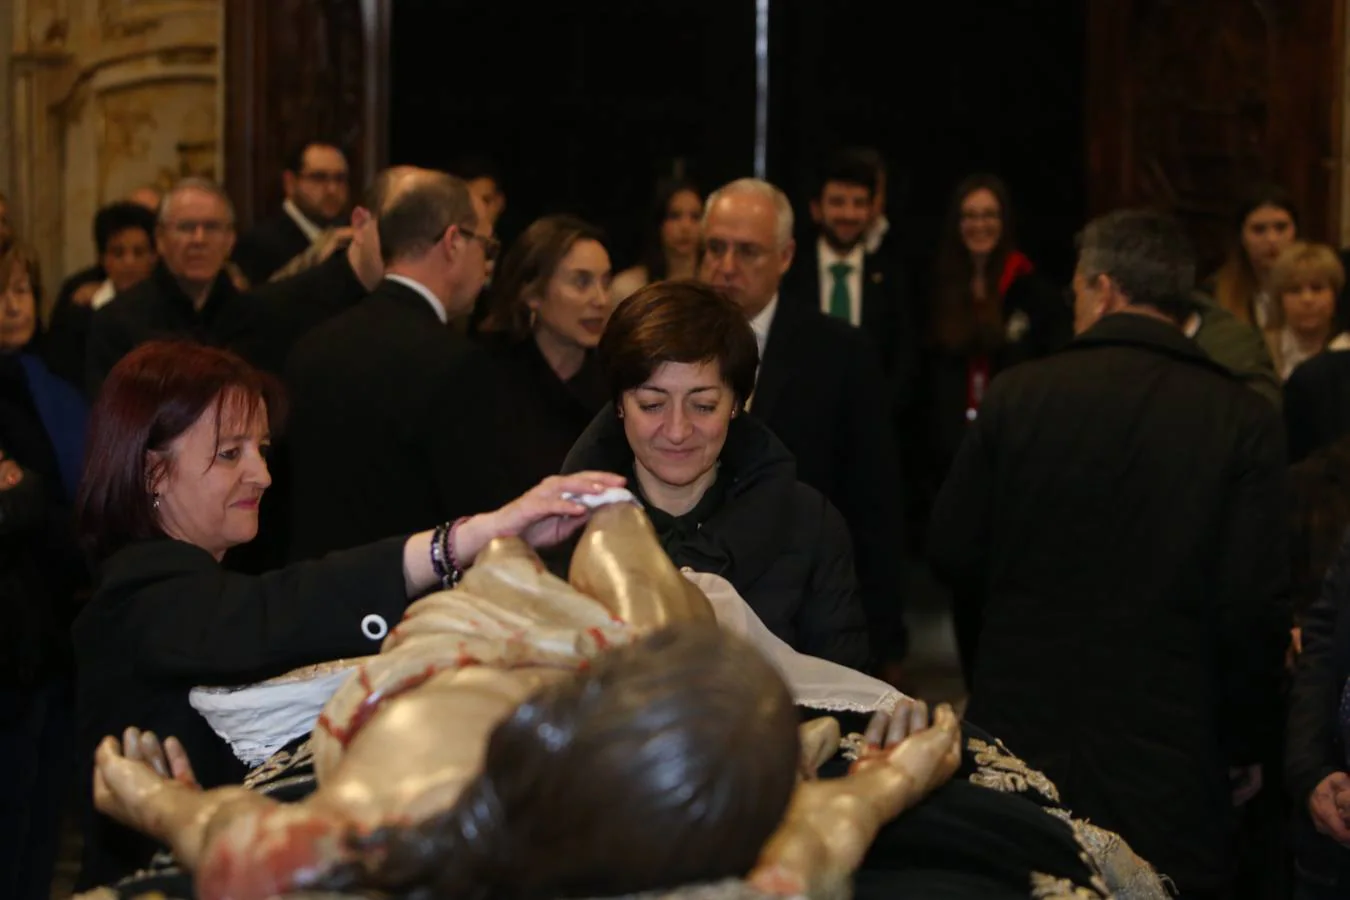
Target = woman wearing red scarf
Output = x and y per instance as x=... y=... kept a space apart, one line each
x=987 y=310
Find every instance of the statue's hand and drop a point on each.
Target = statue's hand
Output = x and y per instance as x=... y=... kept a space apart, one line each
x=131 y=778
x=928 y=754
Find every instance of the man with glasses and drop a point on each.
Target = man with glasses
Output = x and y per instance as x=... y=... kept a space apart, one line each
x=315 y=182
x=187 y=295
x=820 y=389
x=383 y=427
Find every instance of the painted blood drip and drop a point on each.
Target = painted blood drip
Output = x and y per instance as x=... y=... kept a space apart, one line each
x=370 y=704
x=601 y=642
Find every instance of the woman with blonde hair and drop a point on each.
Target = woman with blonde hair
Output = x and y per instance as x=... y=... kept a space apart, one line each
x=1305 y=281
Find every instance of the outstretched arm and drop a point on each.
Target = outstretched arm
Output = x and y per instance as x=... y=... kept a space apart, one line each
x=241 y=845
x=830 y=824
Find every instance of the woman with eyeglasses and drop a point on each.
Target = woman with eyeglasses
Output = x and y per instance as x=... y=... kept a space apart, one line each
x=987 y=310
x=548 y=305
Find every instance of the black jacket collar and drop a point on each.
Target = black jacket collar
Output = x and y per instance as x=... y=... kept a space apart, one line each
x=1145 y=332
x=222 y=292
x=743 y=538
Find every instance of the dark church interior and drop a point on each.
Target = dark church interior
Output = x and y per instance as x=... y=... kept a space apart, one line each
x=687 y=449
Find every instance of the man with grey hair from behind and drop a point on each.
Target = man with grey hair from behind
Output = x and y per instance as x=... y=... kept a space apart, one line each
x=188 y=295
x=382 y=430
x=1118 y=509
x=820 y=389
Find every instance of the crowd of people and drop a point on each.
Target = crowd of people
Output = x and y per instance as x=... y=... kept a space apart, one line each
x=223 y=457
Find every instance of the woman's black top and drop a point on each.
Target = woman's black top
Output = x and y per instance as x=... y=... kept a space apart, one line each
x=779 y=542
x=534 y=416
x=166 y=617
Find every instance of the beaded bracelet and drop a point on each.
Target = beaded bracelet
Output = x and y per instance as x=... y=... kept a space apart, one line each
x=438 y=554
x=456 y=569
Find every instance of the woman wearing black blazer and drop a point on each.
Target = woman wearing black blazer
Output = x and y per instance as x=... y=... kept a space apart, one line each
x=548 y=307
x=175 y=472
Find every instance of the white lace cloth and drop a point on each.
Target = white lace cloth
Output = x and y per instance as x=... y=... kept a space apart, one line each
x=259 y=719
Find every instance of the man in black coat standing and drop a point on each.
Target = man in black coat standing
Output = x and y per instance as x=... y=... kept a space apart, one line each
x=1119 y=507
x=820 y=390
x=382 y=424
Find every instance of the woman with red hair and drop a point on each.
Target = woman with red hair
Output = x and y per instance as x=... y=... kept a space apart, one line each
x=175 y=471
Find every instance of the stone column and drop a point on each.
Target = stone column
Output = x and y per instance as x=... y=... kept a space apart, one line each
x=106 y=96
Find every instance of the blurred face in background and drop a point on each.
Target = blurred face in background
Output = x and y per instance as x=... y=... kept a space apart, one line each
x=1309 y=306
x=575 y=304
x=843 y=213
x=320 y=189
x=196 y=236
x=129 y=258
x=1266 y=232
x=18 y=309
x=981 y=222
x=741 y=254
x=679 y=231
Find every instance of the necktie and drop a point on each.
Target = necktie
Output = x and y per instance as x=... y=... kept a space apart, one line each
x=841 y=302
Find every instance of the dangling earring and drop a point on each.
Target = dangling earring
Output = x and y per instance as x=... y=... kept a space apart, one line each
x=619 y=412
x=155 y=505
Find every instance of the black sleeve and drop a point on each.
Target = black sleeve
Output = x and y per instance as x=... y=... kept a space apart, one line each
x=214 y=626
x=830 y=623
x=1300 y=413
x=1310 y=743
x=872 y=501
x=254 y=258
x=958 y=529
x=108 y=342
x=23 y=507
x=1252 y=592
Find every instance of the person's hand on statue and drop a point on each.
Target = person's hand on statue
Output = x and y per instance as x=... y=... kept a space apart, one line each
x=131 y=775
x=541 y=517
x=906 y=740
x=1329 y=806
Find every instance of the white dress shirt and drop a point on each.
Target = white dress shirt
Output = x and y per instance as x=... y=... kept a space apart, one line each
x=761 y=324
x=425 y=292
x=311 y=230
x=854 y=258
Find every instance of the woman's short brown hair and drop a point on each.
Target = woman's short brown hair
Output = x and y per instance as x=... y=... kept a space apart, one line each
x=529 y=265
x=680 y=322
x=153 y=395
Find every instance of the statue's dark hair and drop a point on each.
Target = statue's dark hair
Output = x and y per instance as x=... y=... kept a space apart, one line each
x=667 y=763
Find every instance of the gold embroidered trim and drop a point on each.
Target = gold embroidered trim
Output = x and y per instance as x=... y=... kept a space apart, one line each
x=1048 y=887
x=999 y=770
x=278 y=763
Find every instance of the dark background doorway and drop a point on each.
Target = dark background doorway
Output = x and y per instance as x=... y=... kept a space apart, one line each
x=583 y=105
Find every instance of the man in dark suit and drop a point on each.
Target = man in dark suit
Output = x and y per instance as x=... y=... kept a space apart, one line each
x=838 y=274
x=1119 y=507
x=820 y=389
x=315 y=184
x=188 y=295
x=382 y=416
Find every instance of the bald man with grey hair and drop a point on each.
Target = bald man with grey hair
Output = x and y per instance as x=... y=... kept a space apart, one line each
x=390 y=377
x=820 y=389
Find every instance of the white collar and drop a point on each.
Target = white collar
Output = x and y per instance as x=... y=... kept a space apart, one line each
x=425 y=292
x=828 y=255
x=302 y=221
x=762 y=322
x=877 y=233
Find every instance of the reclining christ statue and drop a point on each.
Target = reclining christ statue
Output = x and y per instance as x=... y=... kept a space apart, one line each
x=528 y=738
